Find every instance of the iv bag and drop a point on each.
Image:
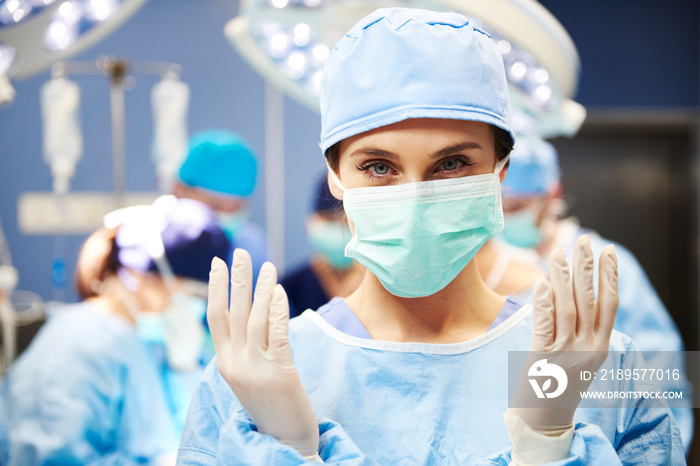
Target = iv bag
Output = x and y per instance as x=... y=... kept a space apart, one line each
x=63 y=142
x=169 y=100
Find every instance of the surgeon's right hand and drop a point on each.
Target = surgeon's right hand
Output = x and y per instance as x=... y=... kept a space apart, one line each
x=253 y=353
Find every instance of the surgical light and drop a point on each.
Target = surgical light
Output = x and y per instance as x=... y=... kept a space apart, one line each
x=41 y=32
x=517 y=71
x=74 y=18
x=287 y=41
x=504 y=47
x=100 y=10
x=320 y=53
x=279 y=43
x=7 y=64
x=301 y=34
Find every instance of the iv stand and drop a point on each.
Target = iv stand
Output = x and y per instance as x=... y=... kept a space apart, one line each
x=117 y=70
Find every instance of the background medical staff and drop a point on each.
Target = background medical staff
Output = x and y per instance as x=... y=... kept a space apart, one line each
x=328 y=273
x=108 y=380
x=221 y=170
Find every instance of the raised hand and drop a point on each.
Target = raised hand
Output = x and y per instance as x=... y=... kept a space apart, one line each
x=253 y=353
x=572 y=327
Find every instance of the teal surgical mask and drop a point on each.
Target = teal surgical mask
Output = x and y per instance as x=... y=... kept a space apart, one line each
x=521 y=229
x=183 y=330
x=179 y=328
x=329 y=238
x=232 y=222
x=417 y=237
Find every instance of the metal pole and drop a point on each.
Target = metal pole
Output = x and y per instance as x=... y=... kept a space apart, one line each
x=116 y=94
x=274 y=174
x=117 y=71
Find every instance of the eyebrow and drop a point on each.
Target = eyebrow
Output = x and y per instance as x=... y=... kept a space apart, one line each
x=454 y=149
x=374 y=151
x=447 y=151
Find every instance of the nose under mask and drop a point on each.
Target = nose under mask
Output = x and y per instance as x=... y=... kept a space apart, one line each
x=417 y=237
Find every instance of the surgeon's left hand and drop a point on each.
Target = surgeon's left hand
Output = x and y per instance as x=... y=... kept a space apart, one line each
x=253 y=353
x=571 y=329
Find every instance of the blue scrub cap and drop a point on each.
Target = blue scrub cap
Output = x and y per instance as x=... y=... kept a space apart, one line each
x=401 y=63
x=189 y=230
x=220 y=161
x=533 y=170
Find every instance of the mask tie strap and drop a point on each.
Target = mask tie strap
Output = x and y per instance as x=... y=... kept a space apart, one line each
x=497 y=192
x=500 y=164
x=335 y=178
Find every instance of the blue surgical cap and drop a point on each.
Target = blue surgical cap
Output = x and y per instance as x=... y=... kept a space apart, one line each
x=190 y=233
x=533 y=169
x=401 y=63
x=220 y=161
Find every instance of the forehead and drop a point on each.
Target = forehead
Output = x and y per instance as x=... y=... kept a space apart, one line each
x=424 y=131
x=219 y=202
x=513 y=203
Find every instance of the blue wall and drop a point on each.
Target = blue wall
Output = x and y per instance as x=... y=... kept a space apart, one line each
x=633 y=53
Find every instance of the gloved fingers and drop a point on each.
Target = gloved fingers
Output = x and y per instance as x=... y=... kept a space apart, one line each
x=278 y=327
x=241 y=285
x=544 y=325
x=217 y=309
x=584 y=293
x=608 y=298
x=564 y=305
x=259 y=314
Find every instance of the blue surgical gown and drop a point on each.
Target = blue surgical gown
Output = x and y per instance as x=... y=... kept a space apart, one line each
x=381 y=403
x=85 y=391
x=303 y=289
x=252 y=238
x=641 y=314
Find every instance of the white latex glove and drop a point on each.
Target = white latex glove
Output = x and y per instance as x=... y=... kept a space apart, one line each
x=169 y=459
x=570 y=320
x=253 y=353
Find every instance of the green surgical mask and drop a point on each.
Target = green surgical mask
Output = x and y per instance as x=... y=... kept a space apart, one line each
x=417 y=237
x=329 y=238
x=521 y=229
x=232 y=222
x=179 y=328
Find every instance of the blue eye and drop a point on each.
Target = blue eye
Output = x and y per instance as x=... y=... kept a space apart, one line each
x=454 y=164
x=376 y=169
x=451 y=164
x=380 y=168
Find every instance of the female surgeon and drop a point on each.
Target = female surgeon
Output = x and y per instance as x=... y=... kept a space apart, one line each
x=409 y=369
x=105 y=380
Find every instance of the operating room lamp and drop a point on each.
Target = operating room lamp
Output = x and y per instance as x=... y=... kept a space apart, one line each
x=36 y=33
x=287 y=42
